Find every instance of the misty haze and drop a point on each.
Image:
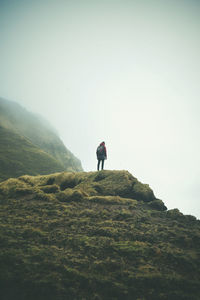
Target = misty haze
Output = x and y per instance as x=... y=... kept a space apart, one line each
x=74 y=74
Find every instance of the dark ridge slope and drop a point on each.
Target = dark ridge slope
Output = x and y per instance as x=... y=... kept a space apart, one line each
x=94 y=236
x=38 y=132
x=19 y=156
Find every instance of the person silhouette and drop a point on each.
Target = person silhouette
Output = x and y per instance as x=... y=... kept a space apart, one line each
x=101 y=155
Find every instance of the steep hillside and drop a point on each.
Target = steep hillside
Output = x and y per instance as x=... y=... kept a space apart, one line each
x=17 y=122
x=97 y=235
x=19 y=156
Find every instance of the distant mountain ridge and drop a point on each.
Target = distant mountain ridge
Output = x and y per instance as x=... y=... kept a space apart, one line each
x=30 y=133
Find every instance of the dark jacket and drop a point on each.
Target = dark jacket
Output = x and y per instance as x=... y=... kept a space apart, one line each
x=101 y=152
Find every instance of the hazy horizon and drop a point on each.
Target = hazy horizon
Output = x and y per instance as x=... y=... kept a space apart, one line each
x=126 y=72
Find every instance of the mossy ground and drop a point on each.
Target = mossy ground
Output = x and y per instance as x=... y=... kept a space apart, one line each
x=96 y=236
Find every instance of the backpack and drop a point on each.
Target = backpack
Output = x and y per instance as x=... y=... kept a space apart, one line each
x=100 y=150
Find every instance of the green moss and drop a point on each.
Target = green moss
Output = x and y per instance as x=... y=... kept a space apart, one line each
x=143 y=192
x=157 y=204
x=49 y=189
x=70 y=195
x=174 y=213
x=75 y=241
x=112 y=200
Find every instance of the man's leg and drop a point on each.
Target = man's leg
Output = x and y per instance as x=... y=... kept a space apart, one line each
x=98 y=164
x=102 y=164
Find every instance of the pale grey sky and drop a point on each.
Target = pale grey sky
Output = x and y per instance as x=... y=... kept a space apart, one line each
x=127 y=72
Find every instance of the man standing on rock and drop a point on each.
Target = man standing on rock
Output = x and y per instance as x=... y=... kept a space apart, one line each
x=101 y=155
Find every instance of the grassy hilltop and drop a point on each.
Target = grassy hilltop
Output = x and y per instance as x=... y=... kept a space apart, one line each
x=97 y=235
